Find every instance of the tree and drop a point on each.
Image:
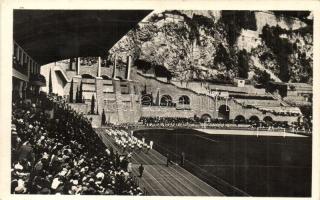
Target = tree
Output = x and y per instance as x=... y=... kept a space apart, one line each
x=77 y=95
x=262 y=78
x=103 y=118
x=50 y=83
x=80 y=93
x=281 y=48
x=235 y=21
x=71 y=92
x=243 y=65
x=97 y=107
x=222 y=56
x=92 y=104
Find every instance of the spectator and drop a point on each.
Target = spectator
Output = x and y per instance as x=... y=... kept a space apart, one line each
x=151 y=144
x=182 y=159
x=168 y=160
x=141 y=168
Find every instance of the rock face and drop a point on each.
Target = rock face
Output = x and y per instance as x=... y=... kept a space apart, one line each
x=208 y=45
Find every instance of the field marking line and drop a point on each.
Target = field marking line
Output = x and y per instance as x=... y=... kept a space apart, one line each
x=265 y=166
x=207 y=138
x=201 y=169
x=151 y=166
x=180 y=179
x=193 y=176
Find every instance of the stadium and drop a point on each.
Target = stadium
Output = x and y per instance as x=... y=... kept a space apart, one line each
x=91 y=114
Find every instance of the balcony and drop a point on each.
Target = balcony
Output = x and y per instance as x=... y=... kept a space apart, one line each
x=38 y=80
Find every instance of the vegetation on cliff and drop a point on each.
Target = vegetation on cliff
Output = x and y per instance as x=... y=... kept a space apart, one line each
x=204 y=45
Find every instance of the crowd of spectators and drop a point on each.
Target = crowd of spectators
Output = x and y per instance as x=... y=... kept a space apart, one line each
x=58 y=152
x=270 y=110
x=168 y=121
x=195 y=122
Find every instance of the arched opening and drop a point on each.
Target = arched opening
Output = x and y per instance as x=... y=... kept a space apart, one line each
x=87 y=76
x=105 y=77
x=268 y=119
x=184 y=100
x=240 y=119
x=254 y=118
x=206 y=118
x=166 y=100
x=146 y=100
x=119 y=77
x=224 y=112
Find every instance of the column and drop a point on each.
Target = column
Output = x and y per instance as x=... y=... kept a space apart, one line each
x=129 y=67
x=17 y=56
x=78 y=66
x=99 y=67
x=29 y=67
x=115 y=67
x=21 y=57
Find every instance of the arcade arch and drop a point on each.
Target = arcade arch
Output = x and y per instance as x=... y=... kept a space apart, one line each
x=146 y=100
x=88 y=76
x=268 y=119
x=166 y=100
x=184 y=100
x=206 y=118
x=224 y=112
x=240 y=118
x=105 y=77
x=254 y=118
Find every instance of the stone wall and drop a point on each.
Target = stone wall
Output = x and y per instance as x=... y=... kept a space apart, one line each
x=91 y=70
x=199 y=104
x=80 y=107
x=158 y=111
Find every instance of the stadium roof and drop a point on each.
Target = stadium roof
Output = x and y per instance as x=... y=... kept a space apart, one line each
x=52 y=35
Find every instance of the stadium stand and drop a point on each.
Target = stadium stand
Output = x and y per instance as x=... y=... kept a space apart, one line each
x=61 y=154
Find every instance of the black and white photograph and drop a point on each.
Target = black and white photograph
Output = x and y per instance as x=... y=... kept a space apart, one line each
x=161 y=102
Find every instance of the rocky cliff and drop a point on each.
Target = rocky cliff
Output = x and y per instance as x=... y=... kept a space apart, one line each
x=221 y=45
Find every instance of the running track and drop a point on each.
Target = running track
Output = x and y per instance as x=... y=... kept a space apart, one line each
x=160 y=180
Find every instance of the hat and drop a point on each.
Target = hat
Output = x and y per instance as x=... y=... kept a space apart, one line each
x=91 y=180
x=100 y=175
x=63 y=172
x=45 y=155
x=74 y=182
x=18 y=166
x=20 y=188
x=55 y=183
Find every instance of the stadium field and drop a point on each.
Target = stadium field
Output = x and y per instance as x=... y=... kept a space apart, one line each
x=240 y=164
